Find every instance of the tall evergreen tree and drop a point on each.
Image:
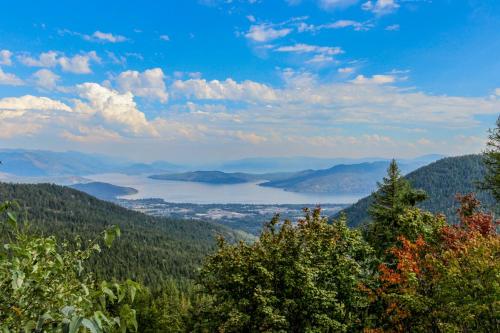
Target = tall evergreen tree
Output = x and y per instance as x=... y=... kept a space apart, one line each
x=393 y=198
x=492 y=162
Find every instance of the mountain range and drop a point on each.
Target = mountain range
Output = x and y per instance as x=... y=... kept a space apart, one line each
x=356 y=179
x=40 y=163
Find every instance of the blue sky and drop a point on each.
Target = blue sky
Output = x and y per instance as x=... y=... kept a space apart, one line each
x=207 y=80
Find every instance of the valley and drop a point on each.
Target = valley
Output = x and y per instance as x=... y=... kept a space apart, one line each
x=246 y=217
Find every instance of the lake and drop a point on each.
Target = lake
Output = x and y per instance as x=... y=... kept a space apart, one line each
x=202 y=193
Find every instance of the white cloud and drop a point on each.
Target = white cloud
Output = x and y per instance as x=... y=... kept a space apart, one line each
x=78 y=64
x=250 y=137
x=113 y=107
x=340 y=24
x=266 y=33
x=45 y=59
x=29 y=102
x=99 y=36
x=322 y=54
x=5 y=57
x=229 y=89
x=27 y=115
x=375 y=79
x=380 y=7
x=9 y=79
x=251 y=18
x=149 y=84
x=95 y=134
x=329 y=4
x=497 y=91
x=306 y=48
x=346 y=70
x=46 y=79
x=165 y=38
x=116 y=59
x=393 y=27
x=14 y=129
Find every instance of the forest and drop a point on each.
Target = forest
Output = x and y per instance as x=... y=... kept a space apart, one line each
x=73 y=263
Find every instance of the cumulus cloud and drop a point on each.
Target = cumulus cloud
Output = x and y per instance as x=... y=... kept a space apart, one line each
x=149 y=84
x=106 y=37
x=266 y=33
x=113 y=107
x=365 y=99
x=5 y=57
x=46 y=79
x=78 y=64
x=380 y=7
x=375 y=79
x=12 y=129
x=29 y=102
x=26 y=115
x=9 y=79
x=321 y=54
x=95 y=134
x=45 y=59
x=229 y=89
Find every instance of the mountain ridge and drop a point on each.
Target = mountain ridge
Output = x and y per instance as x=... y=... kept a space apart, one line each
x=441 y=180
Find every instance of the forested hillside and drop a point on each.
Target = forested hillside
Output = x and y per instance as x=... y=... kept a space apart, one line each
x=103 y=191
x=151 y=249
x=441 y=180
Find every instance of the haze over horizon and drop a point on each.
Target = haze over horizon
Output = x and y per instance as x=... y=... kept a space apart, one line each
x=217 y=80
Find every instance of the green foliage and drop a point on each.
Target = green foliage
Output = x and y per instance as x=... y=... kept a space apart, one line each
x=392 y=200
x=303 y=278
x=45 y=288
x=152 y=250
x=441 y=180
x=450 y=285
x=168 y=310
x=492 y=161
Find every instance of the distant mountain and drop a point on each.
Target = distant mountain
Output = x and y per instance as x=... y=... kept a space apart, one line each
x=358 y=179
x=218 y=177
x=294 y=164
x=151 y=249
x=211 y=177
x=341 y=179
x=155 y=167
x=104 y=191
x=36 y=163
x=442 y=180
x=40 y=163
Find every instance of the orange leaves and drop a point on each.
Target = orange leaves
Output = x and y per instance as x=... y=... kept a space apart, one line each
x=409 y=262
x=424 y=279
x=474 y=224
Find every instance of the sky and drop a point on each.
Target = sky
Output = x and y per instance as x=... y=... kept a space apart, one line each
x=210 y=80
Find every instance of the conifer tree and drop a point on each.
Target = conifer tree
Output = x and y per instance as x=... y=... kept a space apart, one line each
x=492 y=162
x=393 y=198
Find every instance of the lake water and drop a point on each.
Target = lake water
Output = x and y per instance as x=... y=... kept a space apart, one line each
x=201 y=193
